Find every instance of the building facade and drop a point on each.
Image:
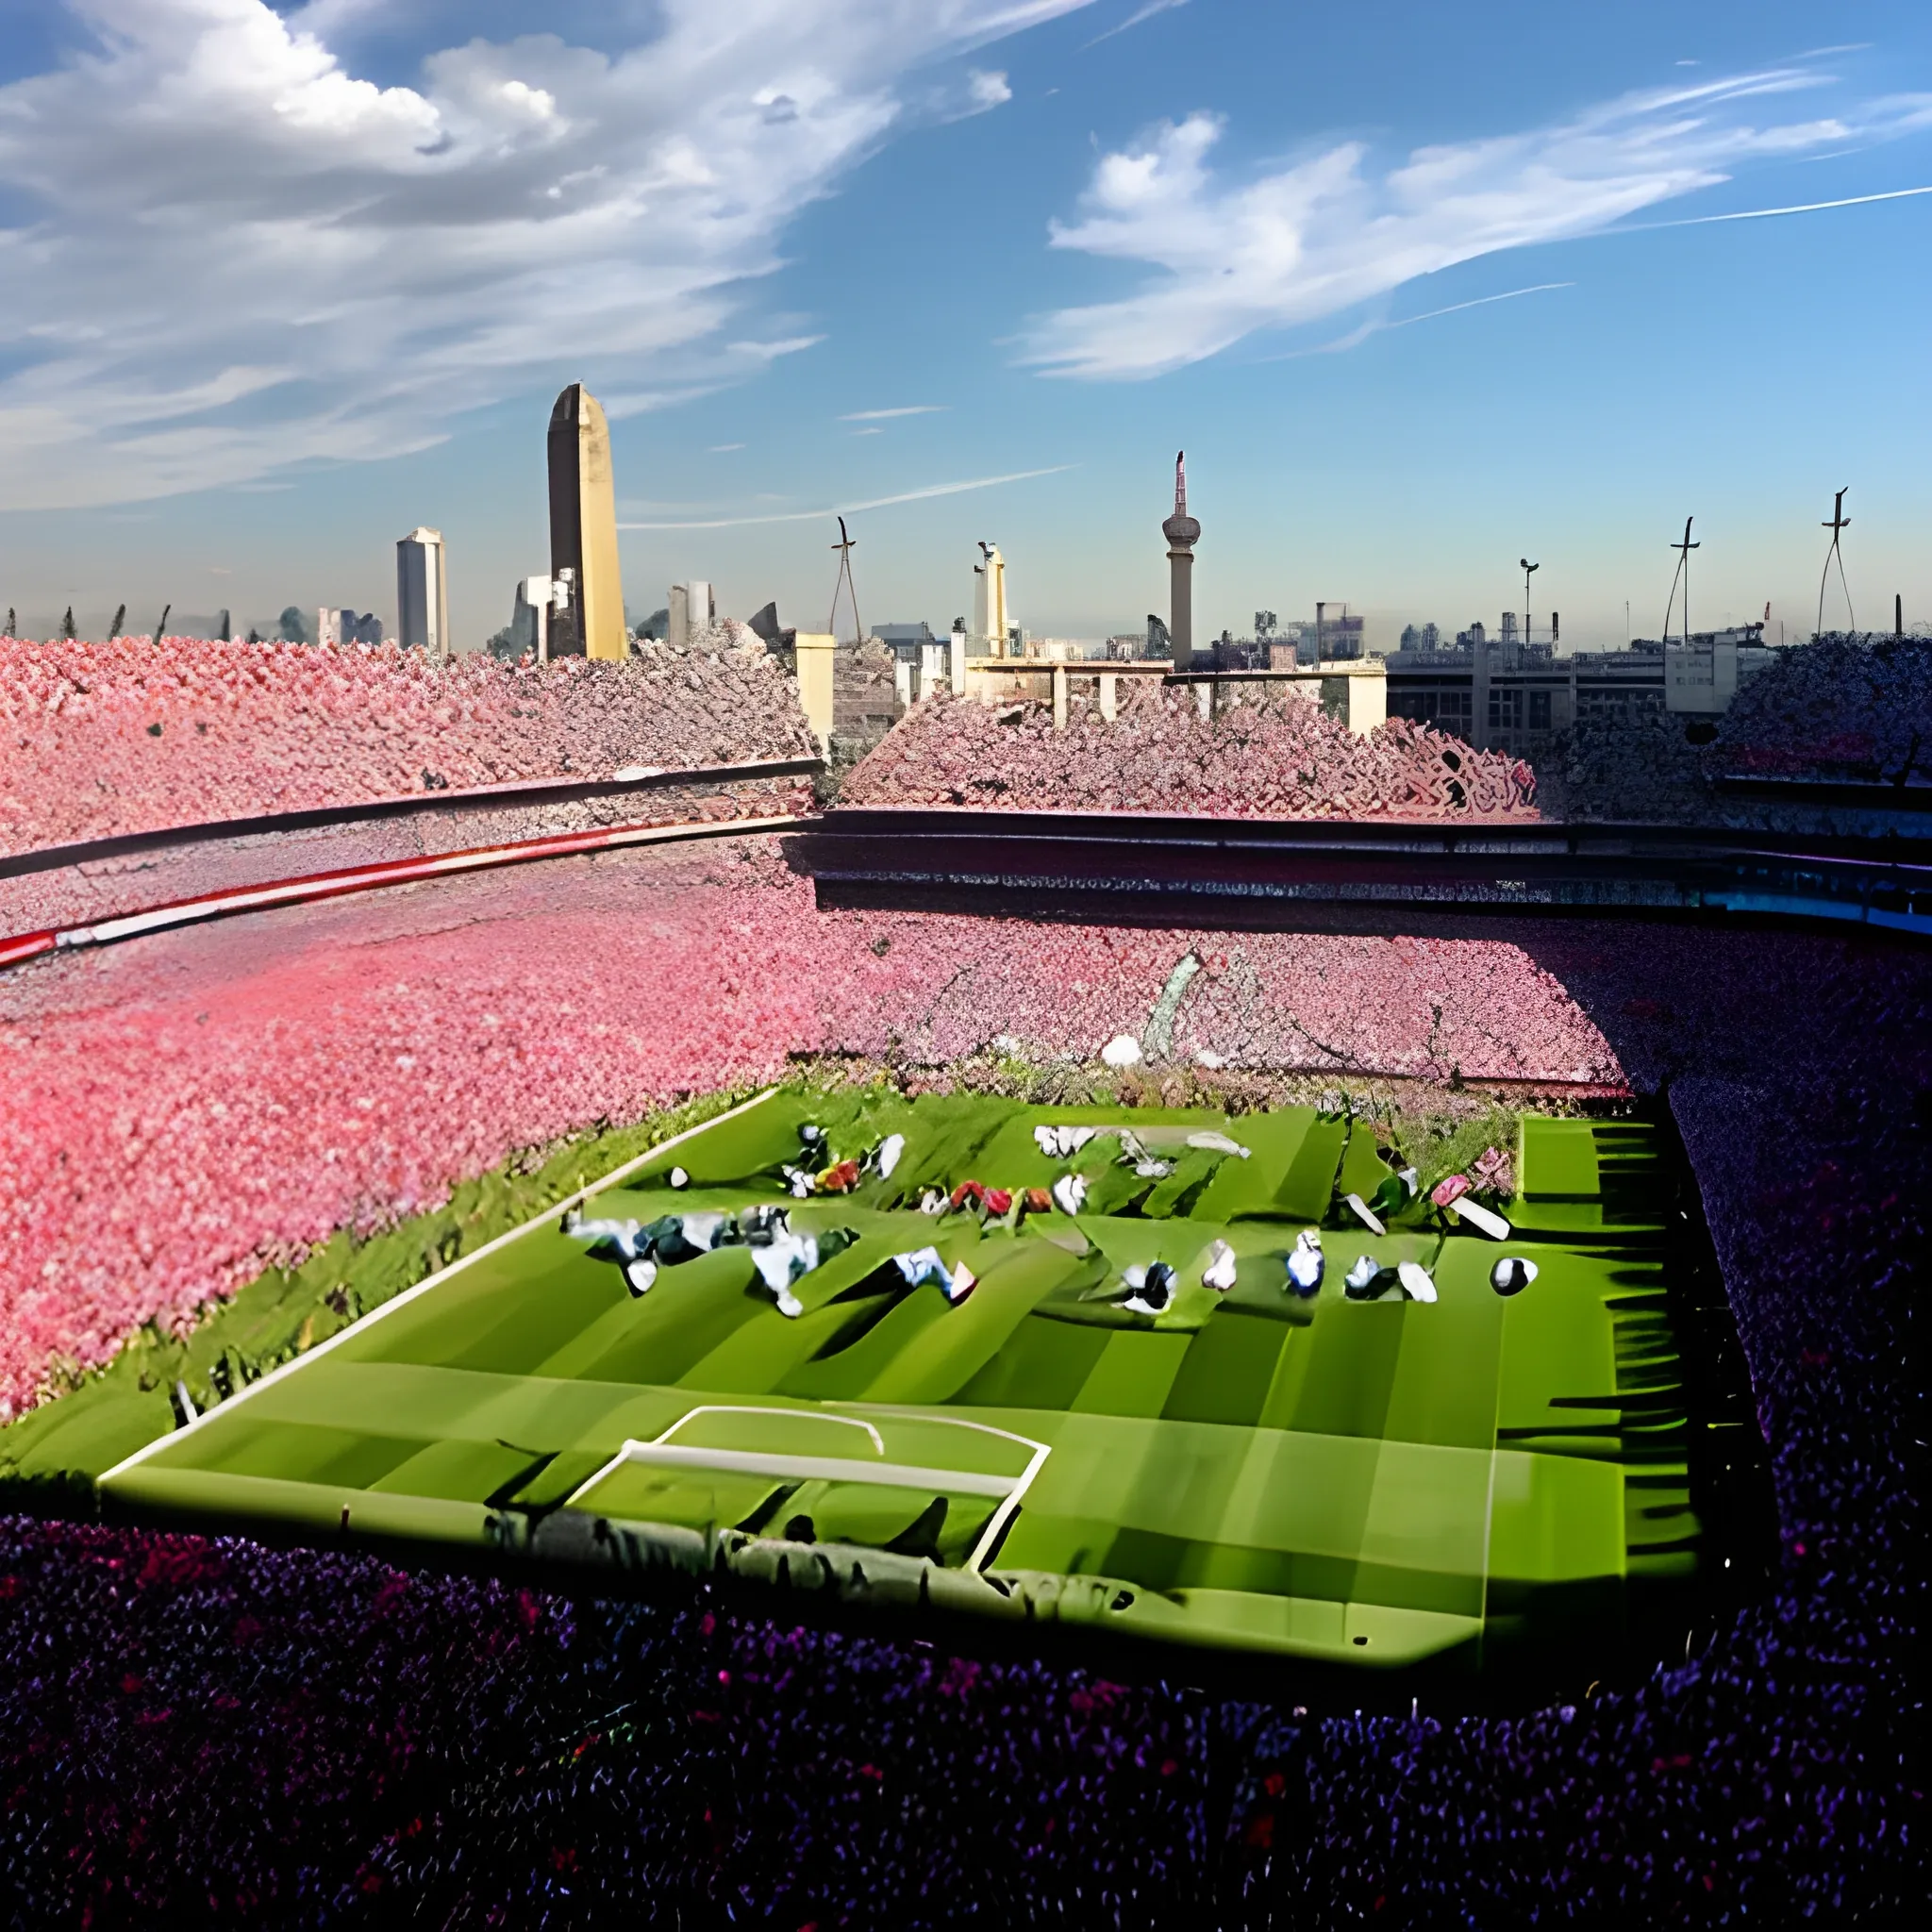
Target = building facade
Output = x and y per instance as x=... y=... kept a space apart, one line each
x=1333 y=636
x=1516 y=697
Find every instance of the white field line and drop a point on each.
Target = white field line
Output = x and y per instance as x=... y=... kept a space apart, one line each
x=830 y=1469
x=424 y=1287
x=893 y=1476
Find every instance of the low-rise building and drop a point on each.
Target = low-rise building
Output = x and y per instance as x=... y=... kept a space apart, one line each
x=1516 y=696
x=921 y=661
x=1702 y=678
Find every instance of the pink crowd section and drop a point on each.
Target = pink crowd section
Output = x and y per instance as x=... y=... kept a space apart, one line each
x=184 y=1106
x=132 y=736
x=1262 y=755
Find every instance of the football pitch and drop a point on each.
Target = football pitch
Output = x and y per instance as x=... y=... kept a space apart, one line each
x=1033 y=1362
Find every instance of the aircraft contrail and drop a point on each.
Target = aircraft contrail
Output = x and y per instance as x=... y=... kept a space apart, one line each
x=807 y=516
x=1759 y=214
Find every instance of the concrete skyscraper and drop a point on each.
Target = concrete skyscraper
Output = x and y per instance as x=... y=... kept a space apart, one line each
x=588 y=621
x=422 y=593
x=1182 y=533
x=990 y=600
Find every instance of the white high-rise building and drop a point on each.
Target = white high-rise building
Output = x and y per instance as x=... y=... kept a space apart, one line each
x=422 y=593
x=691 y=607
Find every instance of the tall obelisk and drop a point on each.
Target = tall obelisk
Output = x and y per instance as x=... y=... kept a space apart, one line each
x=1182 y=532
x=583 y=531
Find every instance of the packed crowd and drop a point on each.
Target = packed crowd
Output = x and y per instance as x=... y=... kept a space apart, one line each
x=1635 y=768
x=1839 y=706
x=51 y=897
x=223 y=1092
x=130 y=736
x=1842 y=704
x=926 y=989
x=343 y=1063
x=207 y=1729
x=1265 y=756
x=220 y=1734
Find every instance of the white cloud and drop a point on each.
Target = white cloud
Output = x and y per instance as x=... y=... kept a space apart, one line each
x=237 y=255
x=960 y=97
x=887 y=415
x=1328 y=233
x=986 y=89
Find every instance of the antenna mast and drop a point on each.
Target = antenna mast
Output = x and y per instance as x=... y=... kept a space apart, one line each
x=1839 y=524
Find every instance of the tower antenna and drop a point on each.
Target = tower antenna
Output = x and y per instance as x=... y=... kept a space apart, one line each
x=1182 y=532
x=1683 y=571
x=845 y=546
x=1839 y=524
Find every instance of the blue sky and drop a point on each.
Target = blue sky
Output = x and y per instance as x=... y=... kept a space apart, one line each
x=1420 y=288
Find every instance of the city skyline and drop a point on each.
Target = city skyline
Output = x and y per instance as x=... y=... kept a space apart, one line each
x=1598 y=350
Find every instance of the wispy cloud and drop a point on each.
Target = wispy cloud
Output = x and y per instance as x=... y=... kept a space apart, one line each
x=1329 y=233
x=235 y=254
x=807 y=516
x=888 y=415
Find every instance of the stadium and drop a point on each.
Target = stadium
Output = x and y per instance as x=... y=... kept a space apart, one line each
x=572 y=1333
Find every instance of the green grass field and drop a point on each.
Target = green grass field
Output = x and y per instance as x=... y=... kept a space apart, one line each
x=1377 y=1483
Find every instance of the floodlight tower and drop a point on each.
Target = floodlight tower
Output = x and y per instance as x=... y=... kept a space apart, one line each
x=845 y=546
x=1683 y=571
x=1839 y=524
x=1529 y=568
